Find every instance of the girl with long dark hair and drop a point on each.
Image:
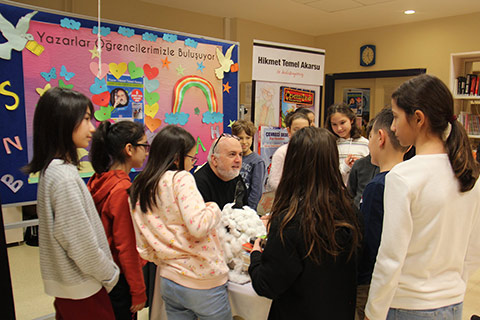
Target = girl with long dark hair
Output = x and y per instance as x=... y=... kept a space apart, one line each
x=308 y=265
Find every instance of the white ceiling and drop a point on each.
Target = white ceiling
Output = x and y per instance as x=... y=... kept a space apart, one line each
x=319 y=17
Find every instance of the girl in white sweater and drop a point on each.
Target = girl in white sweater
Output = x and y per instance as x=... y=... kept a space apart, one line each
x=351 y=145
x=76 y=263
x=430 y=239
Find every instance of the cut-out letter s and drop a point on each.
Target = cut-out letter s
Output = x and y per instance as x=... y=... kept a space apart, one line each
x=10 y=94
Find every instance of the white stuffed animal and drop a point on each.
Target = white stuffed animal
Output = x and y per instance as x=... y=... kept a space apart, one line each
x=236 y=227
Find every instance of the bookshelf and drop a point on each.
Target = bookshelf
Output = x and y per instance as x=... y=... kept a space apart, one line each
x=464 y=84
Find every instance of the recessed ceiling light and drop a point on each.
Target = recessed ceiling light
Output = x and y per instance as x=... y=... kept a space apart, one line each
x=409 y=11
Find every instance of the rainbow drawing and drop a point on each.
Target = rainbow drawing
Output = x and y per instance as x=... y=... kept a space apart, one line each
x=186 y=83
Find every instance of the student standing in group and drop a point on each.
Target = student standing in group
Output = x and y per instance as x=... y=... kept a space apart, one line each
x=175 y=229
x=430 y=241
x=361 y=174
x=351 y=145
x=294 y=121
x=76 y=264
x=116 y=149
x=309 y=113
x=308 y=266
x=385 y=152
x=253 y=166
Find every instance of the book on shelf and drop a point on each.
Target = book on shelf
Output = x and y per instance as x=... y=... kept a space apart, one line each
x=473 y=83
x=461 y=81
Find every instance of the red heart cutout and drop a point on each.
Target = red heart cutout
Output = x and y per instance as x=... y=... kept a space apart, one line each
x=102 y=99
x=150 y=72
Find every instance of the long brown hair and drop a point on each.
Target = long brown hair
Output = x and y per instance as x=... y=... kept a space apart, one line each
x=169 y=146
x=430 y=95
x=319 y=199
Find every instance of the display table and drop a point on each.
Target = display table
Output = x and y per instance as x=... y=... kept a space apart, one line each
x=246 y=303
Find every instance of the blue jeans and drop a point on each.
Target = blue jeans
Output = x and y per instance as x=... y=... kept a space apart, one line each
x=453 y=312
x=182 y=303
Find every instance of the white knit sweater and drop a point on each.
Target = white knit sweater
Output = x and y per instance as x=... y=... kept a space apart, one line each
x=75 y=258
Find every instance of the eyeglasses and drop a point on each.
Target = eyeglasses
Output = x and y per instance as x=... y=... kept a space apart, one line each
x=194 y=159
x=228 y=135
x=145 y=145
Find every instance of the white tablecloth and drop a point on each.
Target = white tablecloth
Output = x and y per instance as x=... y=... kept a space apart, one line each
x=246 y=303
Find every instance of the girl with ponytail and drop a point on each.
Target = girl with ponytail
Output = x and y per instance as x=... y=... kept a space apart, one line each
x=116 y=149
x=432 y=201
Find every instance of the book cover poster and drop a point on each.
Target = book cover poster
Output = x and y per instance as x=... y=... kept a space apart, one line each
x=126 y=97
x=270 y=139
x=292 y=99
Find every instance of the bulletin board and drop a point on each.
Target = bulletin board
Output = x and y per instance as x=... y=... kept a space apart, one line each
x=156 y=77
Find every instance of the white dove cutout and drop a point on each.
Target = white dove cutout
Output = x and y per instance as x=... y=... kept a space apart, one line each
x=225 y=62
x=17 y=37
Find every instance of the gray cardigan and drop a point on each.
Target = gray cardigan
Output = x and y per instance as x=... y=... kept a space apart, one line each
x=75 y=258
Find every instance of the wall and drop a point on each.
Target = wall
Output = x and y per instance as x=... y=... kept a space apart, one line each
x=143 y=13
x=425 y=44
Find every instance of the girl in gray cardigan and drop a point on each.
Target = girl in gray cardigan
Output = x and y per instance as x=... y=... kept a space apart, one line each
x=76 y=264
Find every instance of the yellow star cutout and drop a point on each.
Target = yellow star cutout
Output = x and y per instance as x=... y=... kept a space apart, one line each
x=226 y=87
x=180 y=70
x=95 y=52
x=231 y=122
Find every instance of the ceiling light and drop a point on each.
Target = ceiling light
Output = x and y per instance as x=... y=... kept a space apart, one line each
x=409 y=11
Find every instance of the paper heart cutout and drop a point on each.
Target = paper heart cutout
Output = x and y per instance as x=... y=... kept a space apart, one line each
x=103 y=114
x=150 y=72
x=41 y=91
x=151 y=85
x=152 y=97
x=151 y=110
x=99 y=86
x=95 y=70
x=62 y=84
x=102 y=99
x=152 y=123
x=117 y=69
x=11 y=183
x=135 y=72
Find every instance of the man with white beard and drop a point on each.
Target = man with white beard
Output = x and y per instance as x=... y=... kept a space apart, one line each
x=219 y=180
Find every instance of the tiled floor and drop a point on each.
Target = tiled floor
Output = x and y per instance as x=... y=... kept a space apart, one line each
x=32 y=303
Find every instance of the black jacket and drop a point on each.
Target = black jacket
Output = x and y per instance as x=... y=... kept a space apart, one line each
x=301 y=289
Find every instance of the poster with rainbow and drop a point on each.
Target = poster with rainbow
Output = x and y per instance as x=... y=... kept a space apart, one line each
x=130 y=73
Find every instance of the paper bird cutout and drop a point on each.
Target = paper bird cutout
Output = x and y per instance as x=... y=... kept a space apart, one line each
x=17 y=36
x=225 y=62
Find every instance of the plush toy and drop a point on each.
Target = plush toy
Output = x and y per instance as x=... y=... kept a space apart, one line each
x=236 y=227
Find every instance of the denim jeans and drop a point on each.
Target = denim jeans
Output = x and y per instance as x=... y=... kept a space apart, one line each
x=182 y=303
x=452 y=312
